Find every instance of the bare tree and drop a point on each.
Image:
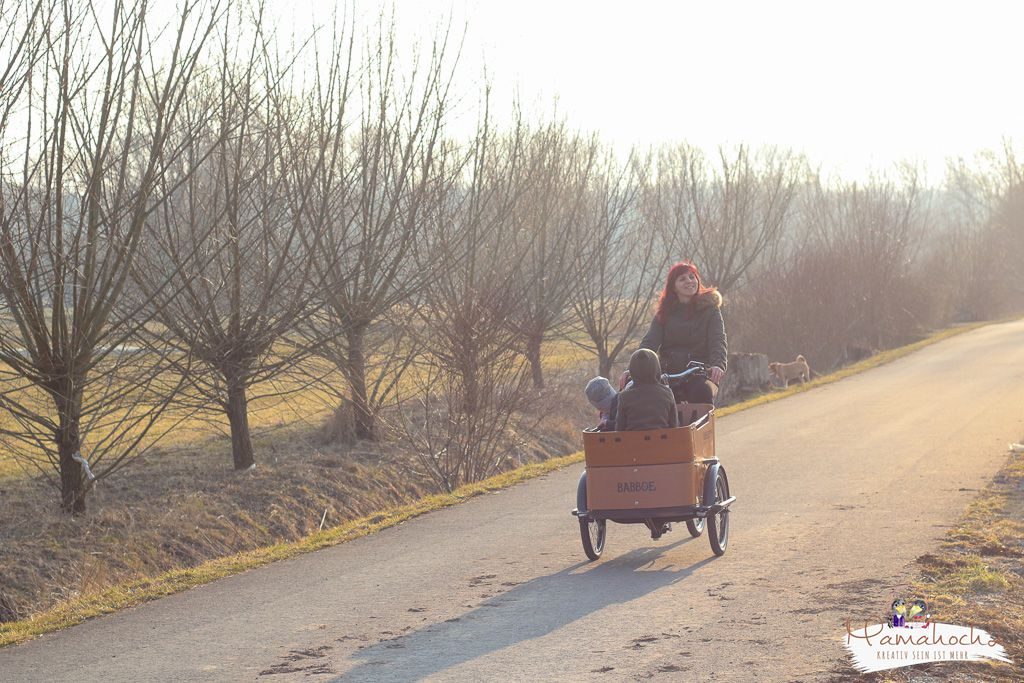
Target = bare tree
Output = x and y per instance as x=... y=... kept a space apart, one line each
x=101 y=92
x=623 y=260
x=727 y=217
x=235 y=308
x=990 y=190
x=873 y=232
x=475 y=379
x=799 y=307
x=454 y=446
x=552 y=219
x=851 y=286
x=467 y=310
x=381 y=173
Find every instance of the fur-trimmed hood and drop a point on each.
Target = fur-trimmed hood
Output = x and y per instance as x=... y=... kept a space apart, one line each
x=709 y=299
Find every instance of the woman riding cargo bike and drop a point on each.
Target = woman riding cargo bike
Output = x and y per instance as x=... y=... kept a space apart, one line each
x=658 y=466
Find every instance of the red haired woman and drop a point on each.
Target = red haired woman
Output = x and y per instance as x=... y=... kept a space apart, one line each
x=688 y=326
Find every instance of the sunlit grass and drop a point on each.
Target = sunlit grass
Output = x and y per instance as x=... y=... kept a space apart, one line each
x=291 y=401
x=973 y=577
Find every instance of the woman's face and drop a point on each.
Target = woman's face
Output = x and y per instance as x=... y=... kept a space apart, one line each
x=686 y=285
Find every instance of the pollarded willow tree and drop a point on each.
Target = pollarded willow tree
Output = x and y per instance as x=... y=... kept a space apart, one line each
x=92 y=101
x=552 y=230
x=372 y=195
x=468 y=312
x=473 y=377
x=235 y=240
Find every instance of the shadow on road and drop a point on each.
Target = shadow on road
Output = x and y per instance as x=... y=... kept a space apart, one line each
x=529 y=610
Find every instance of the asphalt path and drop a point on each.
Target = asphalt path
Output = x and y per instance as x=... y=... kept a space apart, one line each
x=838 y=490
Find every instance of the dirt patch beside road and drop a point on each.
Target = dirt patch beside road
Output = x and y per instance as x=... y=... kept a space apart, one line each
x=975 y=578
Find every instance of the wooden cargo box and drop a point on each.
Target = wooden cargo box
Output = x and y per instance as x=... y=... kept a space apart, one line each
x=644 y=486
x=655 y=446
x=650 y=469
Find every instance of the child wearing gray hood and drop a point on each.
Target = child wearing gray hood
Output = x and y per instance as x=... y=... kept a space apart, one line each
x=647 y=404
x=603 y=397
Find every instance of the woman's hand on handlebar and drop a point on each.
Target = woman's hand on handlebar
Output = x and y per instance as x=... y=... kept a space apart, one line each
x=624 y=379
x=715 y=374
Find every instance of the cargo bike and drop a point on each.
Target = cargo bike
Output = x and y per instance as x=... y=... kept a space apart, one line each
x=656 y=477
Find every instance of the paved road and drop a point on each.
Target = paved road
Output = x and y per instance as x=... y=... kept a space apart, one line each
x=839 y=489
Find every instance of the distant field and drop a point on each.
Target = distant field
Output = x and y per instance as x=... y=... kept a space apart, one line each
x=305 y=405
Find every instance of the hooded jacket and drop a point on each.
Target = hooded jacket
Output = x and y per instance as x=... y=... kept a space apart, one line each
x=647 y=404
x=682 y=337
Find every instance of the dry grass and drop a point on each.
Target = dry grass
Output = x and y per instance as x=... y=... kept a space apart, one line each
x=293 y=403
x=110 y=599
x=976 y=578
x=177 y=520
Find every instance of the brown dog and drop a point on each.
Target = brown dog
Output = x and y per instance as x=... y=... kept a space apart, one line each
x=787 y=371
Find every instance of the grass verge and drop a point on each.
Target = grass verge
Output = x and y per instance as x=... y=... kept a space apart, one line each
x=975 y=578
x=135 y=592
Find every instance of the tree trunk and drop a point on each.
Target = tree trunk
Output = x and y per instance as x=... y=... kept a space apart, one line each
x=533 y=355
x=72 y=478
x=604 y=365
x=238 y=416
x=747 y=372
x=355 y=371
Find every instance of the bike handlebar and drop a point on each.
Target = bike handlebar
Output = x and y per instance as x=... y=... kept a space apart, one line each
x=695 y=370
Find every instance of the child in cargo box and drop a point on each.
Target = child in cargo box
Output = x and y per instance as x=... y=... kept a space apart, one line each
x=647 y=404
x=606 y=400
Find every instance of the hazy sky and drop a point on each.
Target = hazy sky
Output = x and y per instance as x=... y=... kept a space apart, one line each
x=854 y=84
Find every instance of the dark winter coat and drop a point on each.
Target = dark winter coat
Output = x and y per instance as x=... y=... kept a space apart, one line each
x=684 y=337
x=647 y=404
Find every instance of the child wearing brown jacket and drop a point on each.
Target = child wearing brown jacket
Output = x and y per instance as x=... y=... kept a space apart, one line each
x=647 y=404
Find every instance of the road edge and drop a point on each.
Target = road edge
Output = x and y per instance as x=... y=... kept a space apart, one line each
x=973 y=578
